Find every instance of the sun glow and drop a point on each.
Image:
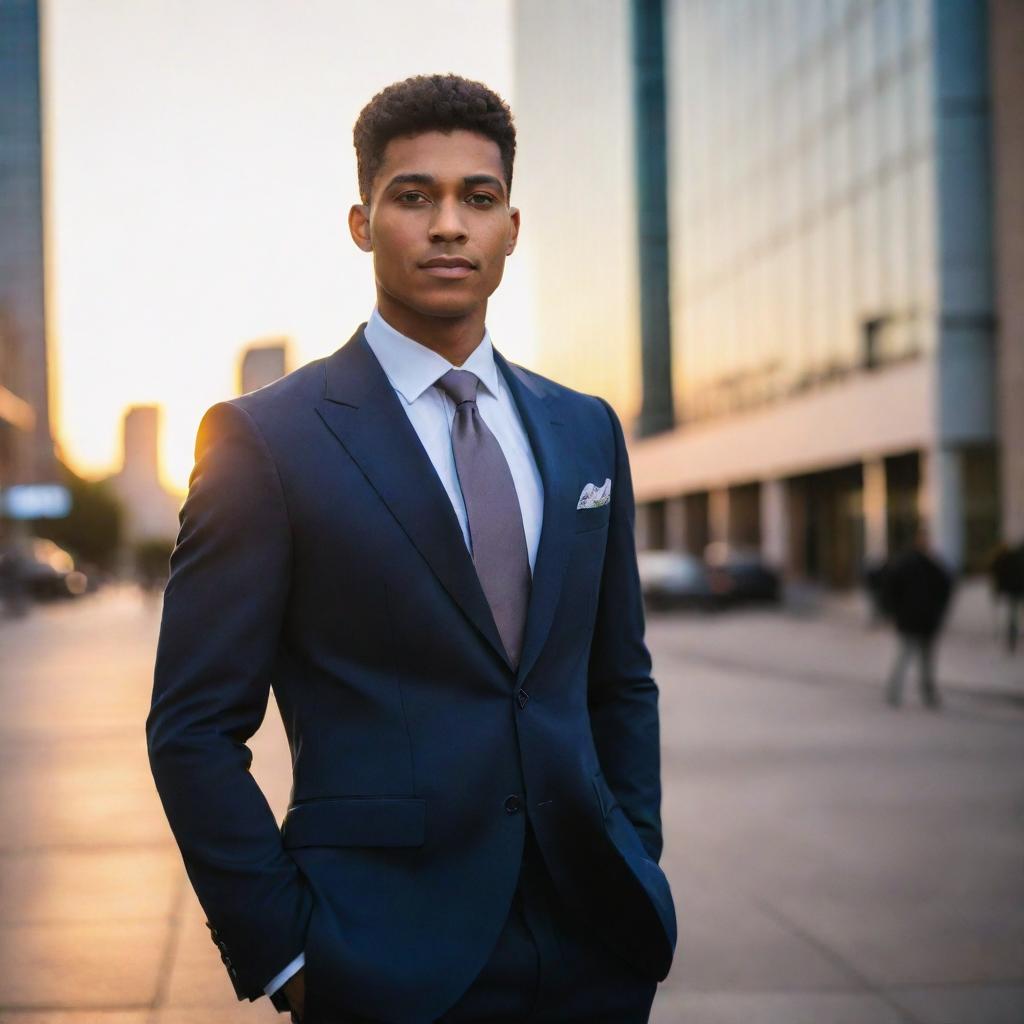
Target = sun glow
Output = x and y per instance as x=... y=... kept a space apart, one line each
x=204 y=207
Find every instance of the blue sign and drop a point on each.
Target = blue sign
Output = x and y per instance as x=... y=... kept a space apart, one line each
x=36 y=501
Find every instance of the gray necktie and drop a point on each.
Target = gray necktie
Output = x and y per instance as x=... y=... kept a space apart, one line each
x=496 y=534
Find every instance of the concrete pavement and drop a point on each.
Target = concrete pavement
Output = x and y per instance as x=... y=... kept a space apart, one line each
x=97 y=921
x=837 y=644
x=833 y=861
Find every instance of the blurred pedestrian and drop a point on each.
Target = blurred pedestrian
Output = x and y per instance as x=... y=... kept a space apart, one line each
x=1007 y=572
x=915 y=590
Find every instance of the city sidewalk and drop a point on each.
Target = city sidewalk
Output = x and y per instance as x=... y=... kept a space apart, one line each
x=98 y=924
x=832 y=862
x=831 y=639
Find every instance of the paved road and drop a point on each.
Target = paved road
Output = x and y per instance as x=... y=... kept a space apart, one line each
x=833 y=861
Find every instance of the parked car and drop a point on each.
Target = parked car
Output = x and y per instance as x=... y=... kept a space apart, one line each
x=49 y=572
x=740 y=576
x=674 y=579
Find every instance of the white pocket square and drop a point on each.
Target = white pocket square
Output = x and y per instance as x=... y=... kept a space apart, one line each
x=593 y=496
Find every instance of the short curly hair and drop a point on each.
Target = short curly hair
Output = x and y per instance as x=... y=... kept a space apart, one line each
x=427 y=103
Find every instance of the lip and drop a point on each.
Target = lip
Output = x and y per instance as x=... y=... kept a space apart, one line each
x=452 y=267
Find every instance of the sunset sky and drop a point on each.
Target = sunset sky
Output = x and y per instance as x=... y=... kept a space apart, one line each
x=200 y=173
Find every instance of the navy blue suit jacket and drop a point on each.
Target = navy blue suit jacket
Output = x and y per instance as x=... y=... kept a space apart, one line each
x=319 y=557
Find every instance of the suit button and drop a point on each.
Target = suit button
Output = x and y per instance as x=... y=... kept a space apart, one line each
x=521 y=698
x=512 y=804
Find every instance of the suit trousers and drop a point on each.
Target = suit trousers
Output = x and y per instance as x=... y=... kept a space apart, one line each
x=548 y=967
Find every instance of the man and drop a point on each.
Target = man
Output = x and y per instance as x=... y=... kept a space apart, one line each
x=427 y=553
x=915 y=590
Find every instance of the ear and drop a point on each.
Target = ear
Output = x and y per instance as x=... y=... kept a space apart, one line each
x=359 y=226
x=513 y=215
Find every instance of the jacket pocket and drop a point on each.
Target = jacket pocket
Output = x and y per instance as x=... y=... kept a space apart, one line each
x=592 y=518
x=356 y=821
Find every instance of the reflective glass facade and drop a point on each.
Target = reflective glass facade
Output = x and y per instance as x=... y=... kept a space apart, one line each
x=802 y=194
x=830 y=247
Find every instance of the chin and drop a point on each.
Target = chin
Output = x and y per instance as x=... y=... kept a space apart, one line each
x=451 y=305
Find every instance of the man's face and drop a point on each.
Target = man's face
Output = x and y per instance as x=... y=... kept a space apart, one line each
x=439 y=223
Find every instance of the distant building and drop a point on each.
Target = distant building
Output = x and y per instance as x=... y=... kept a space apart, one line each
x=26 y=445
x=262 y=363
x=1007 y=45
x=150 y=510
x=834 y=296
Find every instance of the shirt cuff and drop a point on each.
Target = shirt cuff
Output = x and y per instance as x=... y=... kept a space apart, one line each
x=279 y=979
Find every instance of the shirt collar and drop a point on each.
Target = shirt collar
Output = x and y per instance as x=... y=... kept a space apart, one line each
x=412 y=368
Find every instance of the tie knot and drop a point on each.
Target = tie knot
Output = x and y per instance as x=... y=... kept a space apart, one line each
x=459 y=385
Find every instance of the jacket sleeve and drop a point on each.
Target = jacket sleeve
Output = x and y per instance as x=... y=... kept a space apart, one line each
x=222 y=617
x=623 y=698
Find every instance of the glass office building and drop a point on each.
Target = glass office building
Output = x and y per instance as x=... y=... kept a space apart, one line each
x=26 y=449
x=804 y=187
x=830 y=247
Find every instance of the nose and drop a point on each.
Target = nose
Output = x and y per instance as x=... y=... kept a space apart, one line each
x=447 y=224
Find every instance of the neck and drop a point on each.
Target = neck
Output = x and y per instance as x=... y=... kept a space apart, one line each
x=454 y=338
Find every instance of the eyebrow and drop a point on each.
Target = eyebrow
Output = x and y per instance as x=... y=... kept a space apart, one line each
x=411 y=179
x=484 y=179
x=470 y=181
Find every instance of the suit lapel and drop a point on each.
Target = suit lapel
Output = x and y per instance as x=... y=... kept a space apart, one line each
x=552 y=448
x=361 y=409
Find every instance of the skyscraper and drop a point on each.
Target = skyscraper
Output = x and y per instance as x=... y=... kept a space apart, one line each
x=832 y=284
x=262 y=363
x=26 y=447
x=150 y=510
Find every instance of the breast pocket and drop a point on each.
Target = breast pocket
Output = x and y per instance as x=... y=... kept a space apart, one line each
x=592 y=518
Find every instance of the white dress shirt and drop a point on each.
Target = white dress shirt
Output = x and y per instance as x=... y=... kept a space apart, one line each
x=412 y=370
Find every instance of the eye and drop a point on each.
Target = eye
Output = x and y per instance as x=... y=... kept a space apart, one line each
x=411 y=198
x=481 y=199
